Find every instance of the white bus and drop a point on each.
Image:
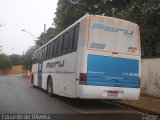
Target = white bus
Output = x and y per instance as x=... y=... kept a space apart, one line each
x=97 y=57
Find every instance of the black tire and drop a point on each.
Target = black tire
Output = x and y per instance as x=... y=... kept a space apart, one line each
x=50 y=87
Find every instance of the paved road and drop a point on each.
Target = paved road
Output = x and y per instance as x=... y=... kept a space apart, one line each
x=17 y=96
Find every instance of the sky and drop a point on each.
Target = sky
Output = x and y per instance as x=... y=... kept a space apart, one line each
x=29 y=15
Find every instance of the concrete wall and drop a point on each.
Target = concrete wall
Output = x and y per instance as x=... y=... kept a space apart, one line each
x=13 y=70
x=150 y=77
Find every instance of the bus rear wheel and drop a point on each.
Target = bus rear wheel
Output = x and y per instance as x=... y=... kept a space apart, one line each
x=50 y=87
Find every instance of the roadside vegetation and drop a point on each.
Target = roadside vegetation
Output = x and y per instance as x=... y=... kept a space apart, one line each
x=5 y=62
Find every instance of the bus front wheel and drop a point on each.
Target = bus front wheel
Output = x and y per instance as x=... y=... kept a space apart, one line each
x=50 y=87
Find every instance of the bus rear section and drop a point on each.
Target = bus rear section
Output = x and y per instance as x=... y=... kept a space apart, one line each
x=113 y=60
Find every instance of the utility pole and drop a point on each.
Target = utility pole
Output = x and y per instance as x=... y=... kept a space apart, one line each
x=44 y=28
x=44 y=34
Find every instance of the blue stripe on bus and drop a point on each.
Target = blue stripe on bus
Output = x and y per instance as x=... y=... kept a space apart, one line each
x=112 y=71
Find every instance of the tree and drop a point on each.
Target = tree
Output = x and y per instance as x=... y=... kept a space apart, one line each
x=45 y=37
x=27 y=58
x=146 y=13
x=69 y=11
x=5 y=62
x=16 y=59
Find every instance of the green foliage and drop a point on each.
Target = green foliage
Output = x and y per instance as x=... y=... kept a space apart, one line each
x=27 y=58
x=5 y=62
x=45 y=37
x=16 y=59
x=146 y=13
x=26 y=62
x=69 y=11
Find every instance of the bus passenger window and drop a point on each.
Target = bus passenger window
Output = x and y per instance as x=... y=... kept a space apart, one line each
x=76 y=33
x=48 y=50
x=65 y=43
x=45 y=52
x=71 y=40
x=51 y=50
x=55 y=48
x=36 y=57
x=43 y=58
x=60 y=41
x=40 y=55
x=33 y=58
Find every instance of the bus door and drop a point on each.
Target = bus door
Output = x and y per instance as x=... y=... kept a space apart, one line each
x=40 y=64
x=40 y=74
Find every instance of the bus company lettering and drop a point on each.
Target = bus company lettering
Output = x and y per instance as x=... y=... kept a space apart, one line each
x=55 y=64
x=111 y=29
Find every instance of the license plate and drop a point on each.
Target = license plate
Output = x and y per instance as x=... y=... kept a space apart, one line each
x=112 y=93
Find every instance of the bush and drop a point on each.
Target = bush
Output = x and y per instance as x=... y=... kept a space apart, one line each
x=5 y=62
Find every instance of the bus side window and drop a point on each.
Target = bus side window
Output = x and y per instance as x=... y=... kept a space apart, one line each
x=48 y=50
x=33 y=58
x=45 y=52
x=55 y=48
x=39 y=56
x=51 y=50
x=36 y=57
x=60 y=43
x=65 y=43
x=76 y=33
x=43 y=58
x=71 y=36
